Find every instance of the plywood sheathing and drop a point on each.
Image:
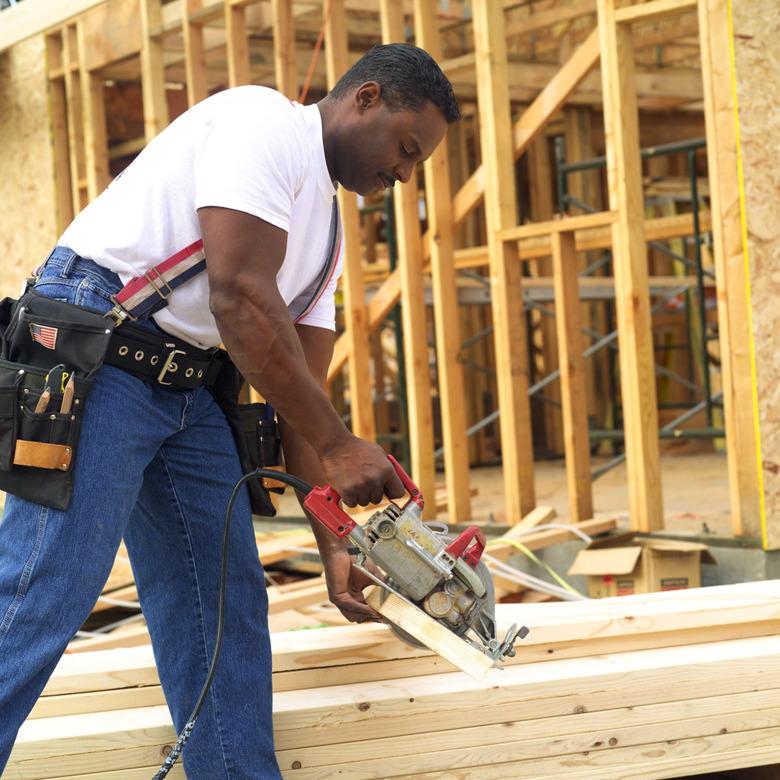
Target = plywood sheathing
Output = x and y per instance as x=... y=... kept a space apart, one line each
x=756 y=25
x=28 y=221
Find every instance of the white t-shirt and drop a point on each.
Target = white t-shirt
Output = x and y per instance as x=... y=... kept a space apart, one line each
x=247 y=148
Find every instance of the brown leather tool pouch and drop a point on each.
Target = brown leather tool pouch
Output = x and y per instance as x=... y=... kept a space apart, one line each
x=38 y=448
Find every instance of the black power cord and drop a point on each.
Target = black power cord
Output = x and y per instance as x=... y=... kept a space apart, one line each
x=301 y=487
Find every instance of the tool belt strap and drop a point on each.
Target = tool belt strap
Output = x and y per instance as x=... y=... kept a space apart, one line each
x=162 y=360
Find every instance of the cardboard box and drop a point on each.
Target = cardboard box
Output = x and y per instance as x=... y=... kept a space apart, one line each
x=624 y=564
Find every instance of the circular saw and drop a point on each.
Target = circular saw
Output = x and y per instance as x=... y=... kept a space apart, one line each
x=443 y=576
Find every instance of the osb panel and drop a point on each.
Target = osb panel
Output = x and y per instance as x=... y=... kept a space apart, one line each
x=756 y=31
x=27 y=218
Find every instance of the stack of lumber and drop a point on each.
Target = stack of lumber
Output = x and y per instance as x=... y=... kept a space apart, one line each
x=647 y=686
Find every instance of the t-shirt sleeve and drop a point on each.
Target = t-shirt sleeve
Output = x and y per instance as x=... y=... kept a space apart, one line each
x=323 y=313
x=251 y=160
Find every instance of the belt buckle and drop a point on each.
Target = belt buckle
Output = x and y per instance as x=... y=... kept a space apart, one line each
x=168 y=363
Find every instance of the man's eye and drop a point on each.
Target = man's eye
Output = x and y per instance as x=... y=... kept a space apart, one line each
x=405 y=151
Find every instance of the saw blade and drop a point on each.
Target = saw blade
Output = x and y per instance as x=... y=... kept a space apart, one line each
x=488 y=605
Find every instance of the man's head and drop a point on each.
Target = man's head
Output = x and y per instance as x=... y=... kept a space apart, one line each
x=388 y=112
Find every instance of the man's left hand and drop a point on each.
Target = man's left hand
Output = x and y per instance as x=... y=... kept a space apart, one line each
x=346 y=583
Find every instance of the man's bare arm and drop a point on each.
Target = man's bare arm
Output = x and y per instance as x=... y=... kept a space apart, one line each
x=243 y=256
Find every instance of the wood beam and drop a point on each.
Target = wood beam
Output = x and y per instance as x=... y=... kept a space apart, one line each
x=438 y=195
x=237 y=44
x=152 y=70
x=363 y=422
x=632 y=300
x=413 y=315
x=733 y=284
x=505 y=271
x=285 y=62
x=194 y=52
x=574 y=398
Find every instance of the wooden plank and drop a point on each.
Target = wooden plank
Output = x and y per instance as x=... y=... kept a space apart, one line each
x=413 y=318
x=280 y=602
x=567 y=224
x=541 y=19
x=653 y=10
x=733 y=286
x=94 y=123
x=59 y=130
x=285 y=62
x=75 y=116
x=355 y=316
x=194 y=52
x=573 y=386
x=441 y=227
x=505 y=271
x=431 y=633
x=27 y=19
x=632 y=301
x=152 y=70
x=237 y=44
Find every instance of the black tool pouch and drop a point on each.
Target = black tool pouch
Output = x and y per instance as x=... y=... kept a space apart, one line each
x=257 y=439
x=38 y=450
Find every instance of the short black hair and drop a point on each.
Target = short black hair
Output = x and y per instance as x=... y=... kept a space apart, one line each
x=408 y=76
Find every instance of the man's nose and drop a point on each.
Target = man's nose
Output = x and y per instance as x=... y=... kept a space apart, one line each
x=403 y=171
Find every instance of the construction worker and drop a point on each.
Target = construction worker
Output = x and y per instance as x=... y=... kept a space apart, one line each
x=246 y=179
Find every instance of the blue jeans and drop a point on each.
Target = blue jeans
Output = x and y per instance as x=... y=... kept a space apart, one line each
x=155 y=466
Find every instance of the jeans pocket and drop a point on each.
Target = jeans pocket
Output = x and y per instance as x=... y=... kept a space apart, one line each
x=58 y=289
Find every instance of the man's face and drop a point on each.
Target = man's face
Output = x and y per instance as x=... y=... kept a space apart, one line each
x=380 y=147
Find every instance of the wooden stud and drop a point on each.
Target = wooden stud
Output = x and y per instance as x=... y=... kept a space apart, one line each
x=632 y=301
x=285 y=62
x=505 y=271
x=363 y=423
x=438 y=195
x=194 y=52
x=734 y=316
x=573 y=386
x=415 y=330
x=59 y=113
x=152 y=69
x=94 y=123
x=237 y=44
x=75 y=116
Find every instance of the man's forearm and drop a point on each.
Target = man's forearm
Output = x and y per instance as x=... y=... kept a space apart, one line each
x=261 y=339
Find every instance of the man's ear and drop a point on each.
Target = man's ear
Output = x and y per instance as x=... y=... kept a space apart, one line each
x=368 y=95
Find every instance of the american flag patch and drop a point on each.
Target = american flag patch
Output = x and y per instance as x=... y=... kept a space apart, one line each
x=45 y=335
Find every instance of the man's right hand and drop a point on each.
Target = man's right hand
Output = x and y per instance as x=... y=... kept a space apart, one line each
x=359 y=471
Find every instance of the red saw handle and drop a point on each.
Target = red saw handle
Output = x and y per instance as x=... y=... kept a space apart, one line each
x=462 y=547
x=325 y=503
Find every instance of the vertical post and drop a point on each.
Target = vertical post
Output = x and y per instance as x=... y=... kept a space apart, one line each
x=410 y=268
x=355 y=318
x=438 y=195
x=194 y=53
x=73 y=97
x=59 y=109
x=285 y=64
x=94 y=123
x=152 y=69
x=734 y=315
x=632 y=299
x=237 y=44
x=574 y=401
x=506 y=288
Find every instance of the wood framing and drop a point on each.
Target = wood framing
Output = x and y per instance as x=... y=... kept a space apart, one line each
x=734 y=315
x=194 y=52
x=632 y=301
x=285 y=63
x=574 y=399
x=152 y=70
x=361 y=399
x=438 y=198
x=505 y=271
x=237 y=44
x=413 y=316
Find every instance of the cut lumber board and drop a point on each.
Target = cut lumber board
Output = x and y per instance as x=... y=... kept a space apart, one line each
x=599 y=710
x=430 y=632
x=312 y=594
